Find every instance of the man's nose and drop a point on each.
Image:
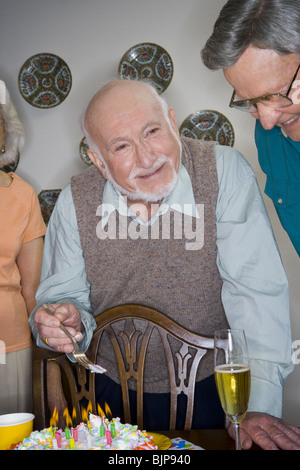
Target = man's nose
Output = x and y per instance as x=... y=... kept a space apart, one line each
x=268 y=116
x=145 y=156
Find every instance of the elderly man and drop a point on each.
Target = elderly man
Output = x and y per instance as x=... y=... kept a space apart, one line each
x=145 y=174
x=257 y=44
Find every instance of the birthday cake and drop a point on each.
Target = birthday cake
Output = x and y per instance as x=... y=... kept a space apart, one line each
x=98 y=434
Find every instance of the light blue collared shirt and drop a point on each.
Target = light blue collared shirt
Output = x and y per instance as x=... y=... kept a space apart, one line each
x=255 y=289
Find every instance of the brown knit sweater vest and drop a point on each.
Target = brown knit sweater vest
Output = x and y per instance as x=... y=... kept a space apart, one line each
x=159 y=273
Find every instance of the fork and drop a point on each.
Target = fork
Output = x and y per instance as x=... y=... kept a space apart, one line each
x=78 y=355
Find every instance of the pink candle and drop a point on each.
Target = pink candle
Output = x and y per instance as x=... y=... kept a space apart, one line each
x=108 y=437
x=75 y=434
x=57 y=437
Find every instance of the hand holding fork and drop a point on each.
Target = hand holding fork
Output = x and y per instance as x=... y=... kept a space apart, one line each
x=78 y=355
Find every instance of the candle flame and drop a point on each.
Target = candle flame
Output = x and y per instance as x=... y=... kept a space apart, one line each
x=54 y=418
x=104 y=414
x=70 y=421
x=89 y=407
x=84 y=415
x=108 y=411
x=100 y=411
x=67 y=417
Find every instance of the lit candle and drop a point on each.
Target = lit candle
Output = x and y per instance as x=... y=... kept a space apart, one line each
x=67 y=433
x=72 y=443
x=90 y=428
x=108 y=437
x=57 y=436
x=102 y=430
x=75 y=434
x=112 y=430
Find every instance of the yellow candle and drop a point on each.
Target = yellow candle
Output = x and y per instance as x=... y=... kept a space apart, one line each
x=72 y=443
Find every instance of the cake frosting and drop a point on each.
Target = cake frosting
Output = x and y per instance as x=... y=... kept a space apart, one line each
x=98 y=434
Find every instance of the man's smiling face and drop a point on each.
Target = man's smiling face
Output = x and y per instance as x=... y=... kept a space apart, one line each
x=261 y=72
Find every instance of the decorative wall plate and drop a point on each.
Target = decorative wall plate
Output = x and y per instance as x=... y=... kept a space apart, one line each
x=147 y=61
x=83 y=146
x=48 y=198
x=11 y=166
x=208 y=125
x=44 y=80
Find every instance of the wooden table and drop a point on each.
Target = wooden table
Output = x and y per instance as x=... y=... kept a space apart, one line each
x=209 y=439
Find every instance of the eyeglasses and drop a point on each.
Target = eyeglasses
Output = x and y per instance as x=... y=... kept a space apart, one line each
x=274 y=100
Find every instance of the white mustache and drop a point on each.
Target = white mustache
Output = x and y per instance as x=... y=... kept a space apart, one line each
x=136 y=173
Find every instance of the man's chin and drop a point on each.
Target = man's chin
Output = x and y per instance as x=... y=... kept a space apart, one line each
x=140 y=195
x=153 y=197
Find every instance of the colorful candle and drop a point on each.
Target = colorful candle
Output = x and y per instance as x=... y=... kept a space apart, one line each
x=75 y=434
x=90 y=428
x=102 y=429
x=112 y=430
x=108 y=437
x=72 y=443
x=57 y=436
x=67 y=433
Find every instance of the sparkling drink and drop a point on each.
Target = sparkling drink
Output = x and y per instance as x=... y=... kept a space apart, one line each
x=233 y=384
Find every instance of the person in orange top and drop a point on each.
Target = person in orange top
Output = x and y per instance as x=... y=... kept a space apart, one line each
x=21 y=245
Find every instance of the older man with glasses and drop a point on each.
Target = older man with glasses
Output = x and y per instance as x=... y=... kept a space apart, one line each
x=257 y=44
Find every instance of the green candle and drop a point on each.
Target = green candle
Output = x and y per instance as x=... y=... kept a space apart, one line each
x=112 y=430
x=67 y=433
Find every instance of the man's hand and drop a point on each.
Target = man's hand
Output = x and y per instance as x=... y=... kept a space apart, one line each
x=267 y=432
x=48 y=326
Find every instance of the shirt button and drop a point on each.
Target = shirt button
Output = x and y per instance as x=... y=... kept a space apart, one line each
x=280 y=201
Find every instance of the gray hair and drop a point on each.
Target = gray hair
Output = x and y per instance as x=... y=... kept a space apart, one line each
x=265 y=24
x=14 y=136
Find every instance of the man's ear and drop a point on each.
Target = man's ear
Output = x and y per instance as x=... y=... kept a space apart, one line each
x=172 y=118
x=94 y=157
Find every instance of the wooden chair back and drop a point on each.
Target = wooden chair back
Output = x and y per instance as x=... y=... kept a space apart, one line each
x=60 y=383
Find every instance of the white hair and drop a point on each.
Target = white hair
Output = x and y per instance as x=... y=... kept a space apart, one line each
x=14 y=136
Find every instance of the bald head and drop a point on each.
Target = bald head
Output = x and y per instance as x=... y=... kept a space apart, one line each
x=115 y=97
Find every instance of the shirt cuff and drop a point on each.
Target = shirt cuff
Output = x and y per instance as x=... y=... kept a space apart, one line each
x=265 y=397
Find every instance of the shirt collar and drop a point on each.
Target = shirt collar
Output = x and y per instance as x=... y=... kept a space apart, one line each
x=181 y=200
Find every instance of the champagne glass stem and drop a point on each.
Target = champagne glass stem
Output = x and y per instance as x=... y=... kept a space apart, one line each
x=238 y=445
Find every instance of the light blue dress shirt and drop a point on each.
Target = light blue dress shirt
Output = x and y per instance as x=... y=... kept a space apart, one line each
x=255 y=290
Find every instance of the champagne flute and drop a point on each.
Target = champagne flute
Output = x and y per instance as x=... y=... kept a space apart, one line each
x=232 y=375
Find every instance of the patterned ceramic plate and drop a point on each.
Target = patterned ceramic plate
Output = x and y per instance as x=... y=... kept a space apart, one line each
x=83 y=146
x=147 y=61
x=44 y=80
x=48 y=198
x=11 y=166
x=208 y=125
